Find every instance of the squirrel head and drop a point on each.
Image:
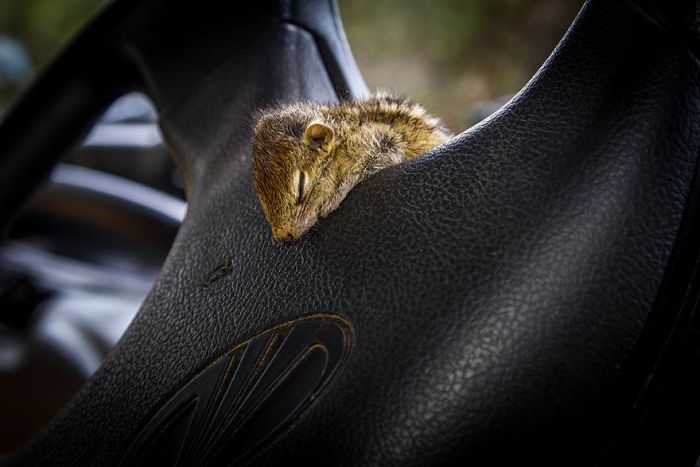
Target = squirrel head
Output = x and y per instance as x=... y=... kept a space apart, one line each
x=290 y=150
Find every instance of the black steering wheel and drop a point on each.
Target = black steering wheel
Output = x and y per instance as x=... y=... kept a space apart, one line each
x=523 y=294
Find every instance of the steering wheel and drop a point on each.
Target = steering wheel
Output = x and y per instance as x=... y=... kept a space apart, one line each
x=524 y=293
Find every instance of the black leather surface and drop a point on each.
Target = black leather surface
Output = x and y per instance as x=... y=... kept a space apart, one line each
x=496 y=286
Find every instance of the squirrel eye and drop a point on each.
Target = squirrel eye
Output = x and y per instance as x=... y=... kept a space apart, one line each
x=300 y=187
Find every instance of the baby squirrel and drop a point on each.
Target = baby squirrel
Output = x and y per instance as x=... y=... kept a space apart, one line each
x=307 y=157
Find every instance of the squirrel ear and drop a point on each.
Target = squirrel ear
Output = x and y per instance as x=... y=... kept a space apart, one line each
x=319 y=136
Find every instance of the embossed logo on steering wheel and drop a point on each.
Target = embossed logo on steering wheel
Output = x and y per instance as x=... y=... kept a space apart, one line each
x=246 y=398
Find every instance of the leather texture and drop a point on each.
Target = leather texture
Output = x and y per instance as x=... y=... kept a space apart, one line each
x=496 y=287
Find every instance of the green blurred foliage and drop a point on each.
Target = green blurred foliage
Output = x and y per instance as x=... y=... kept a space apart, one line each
x=442 y=29
x=44 y=26
x=454 y=55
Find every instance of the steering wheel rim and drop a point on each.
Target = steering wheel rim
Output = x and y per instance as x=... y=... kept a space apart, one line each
x=483 y=302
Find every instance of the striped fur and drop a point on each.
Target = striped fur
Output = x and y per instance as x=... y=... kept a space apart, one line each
x=367 y=136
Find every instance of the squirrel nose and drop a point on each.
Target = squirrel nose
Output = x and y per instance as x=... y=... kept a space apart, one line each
x=285 y=236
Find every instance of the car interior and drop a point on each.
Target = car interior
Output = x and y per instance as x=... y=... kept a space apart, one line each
x=524 y=294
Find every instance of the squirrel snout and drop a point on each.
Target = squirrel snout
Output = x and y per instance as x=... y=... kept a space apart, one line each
x=286 y=235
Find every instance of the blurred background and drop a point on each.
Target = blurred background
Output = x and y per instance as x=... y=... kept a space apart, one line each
x=452 y=55
x=83 y=254
x=462 y=59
